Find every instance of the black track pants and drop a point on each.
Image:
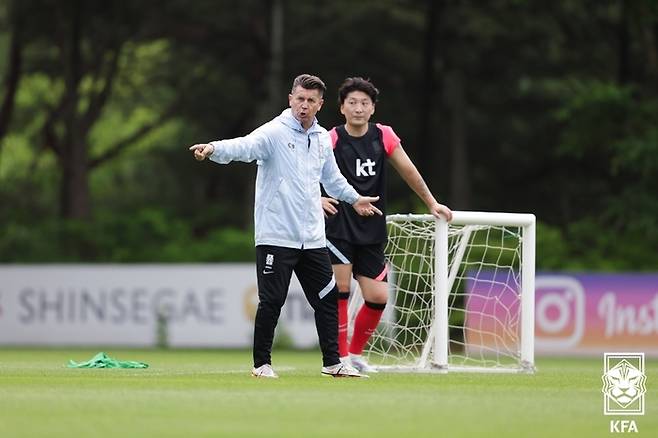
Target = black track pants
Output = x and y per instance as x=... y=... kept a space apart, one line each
x=275 y=266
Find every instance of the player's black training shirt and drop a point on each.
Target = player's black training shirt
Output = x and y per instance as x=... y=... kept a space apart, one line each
x=362 y=161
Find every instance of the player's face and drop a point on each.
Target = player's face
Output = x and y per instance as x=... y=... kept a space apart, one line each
x=305 y=104
x=357 y=108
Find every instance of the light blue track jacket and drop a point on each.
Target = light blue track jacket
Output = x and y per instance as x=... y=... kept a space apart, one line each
x=292 y=162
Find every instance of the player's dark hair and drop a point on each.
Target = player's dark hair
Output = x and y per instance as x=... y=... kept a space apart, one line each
x=357 y=84
x=309 y=82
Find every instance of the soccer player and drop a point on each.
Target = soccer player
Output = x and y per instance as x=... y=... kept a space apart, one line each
x=294 y=155
x=356 y=244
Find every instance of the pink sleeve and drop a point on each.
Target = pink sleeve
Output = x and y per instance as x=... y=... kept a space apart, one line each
x=334 y=137
x=391 y=139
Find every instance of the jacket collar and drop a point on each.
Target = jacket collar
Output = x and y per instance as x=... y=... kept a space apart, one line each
x=290 y=121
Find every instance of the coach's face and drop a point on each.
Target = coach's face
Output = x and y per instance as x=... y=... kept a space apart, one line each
x=305 y=104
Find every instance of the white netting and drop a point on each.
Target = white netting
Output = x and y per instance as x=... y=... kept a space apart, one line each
x=484 y=278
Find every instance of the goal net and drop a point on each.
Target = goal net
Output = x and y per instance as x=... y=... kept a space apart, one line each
x=461 y=295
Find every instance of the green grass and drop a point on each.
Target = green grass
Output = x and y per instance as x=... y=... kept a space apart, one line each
x=210 y=393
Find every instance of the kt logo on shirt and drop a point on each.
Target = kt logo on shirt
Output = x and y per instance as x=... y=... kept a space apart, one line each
x=361 y=167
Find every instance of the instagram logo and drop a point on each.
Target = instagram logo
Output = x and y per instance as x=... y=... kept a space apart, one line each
x=559 y=312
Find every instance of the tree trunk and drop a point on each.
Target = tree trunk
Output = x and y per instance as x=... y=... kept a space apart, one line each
x=427 y=142
x=12 y=79
x=275 y=73
x=623 y=35
x=75 y=202
x=74 y=185
x=460 y=189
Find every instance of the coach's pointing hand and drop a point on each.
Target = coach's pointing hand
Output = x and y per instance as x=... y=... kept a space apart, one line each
x=202 y=151
x=364 y=207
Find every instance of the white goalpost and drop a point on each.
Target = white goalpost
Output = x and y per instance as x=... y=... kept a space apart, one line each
x=461 y=294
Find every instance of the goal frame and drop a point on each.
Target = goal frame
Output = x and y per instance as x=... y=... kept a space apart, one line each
x=439 y=333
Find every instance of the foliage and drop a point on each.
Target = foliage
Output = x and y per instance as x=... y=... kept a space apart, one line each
x=146 y=235
x=559 y=118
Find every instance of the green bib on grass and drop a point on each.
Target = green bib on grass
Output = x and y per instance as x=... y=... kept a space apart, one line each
x=102 y=360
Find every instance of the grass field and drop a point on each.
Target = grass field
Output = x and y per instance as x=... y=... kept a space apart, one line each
x=210 y=394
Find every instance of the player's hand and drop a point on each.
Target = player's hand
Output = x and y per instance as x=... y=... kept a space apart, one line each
x=441 y=211
x=328 y=206
x=202 y=150
x=363 y=206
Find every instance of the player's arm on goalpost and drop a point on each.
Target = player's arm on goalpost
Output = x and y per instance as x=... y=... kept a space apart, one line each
x=409 y=173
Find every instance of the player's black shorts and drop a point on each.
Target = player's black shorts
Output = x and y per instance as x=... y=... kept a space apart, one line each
x=366 y=260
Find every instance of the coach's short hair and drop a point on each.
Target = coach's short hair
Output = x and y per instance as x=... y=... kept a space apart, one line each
x=309 y=82
x=357 y=84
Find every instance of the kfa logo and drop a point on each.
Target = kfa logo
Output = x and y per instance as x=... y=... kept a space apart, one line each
x=623 y=388
x=622 y=426
x=361 y=167
x=623 y=384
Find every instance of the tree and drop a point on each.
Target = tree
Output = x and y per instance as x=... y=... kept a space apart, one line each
x=14 y=67
x=88 y=68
